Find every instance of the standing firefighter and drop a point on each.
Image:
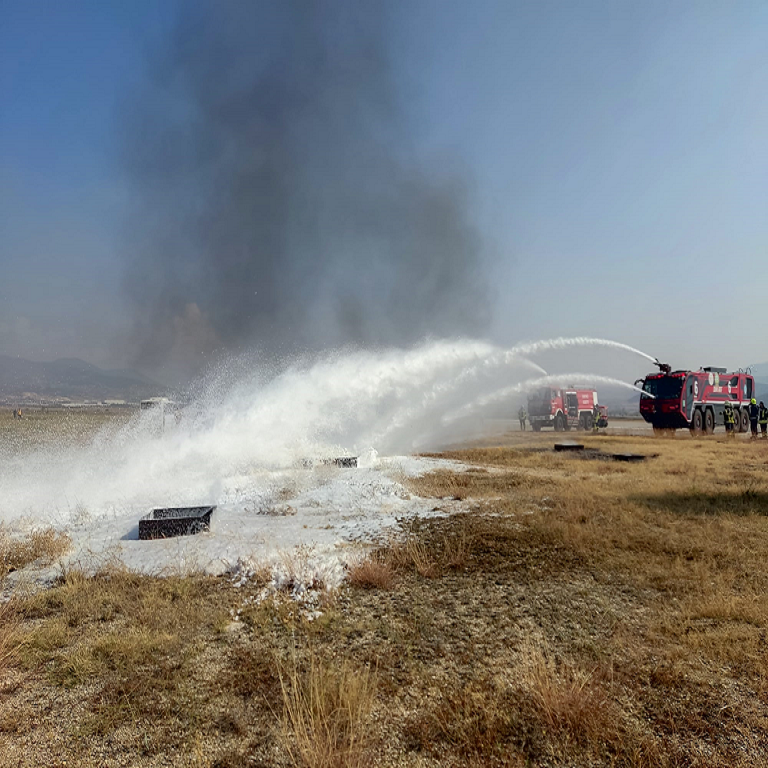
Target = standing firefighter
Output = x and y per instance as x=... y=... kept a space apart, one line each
x=762 y=419
x=754 y=413
x=729 y=419
x=522 y=415
x=595 y=418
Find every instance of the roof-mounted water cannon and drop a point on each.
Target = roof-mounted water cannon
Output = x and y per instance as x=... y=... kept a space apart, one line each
x=663 y=367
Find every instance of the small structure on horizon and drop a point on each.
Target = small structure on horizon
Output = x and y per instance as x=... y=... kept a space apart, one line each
x=162 y=406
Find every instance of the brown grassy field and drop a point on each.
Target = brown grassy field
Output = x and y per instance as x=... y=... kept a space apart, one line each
x=45 y=426
x=579 y=612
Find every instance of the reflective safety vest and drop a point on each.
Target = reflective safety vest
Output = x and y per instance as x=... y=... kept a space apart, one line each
x=763 y=416
x=728 y=416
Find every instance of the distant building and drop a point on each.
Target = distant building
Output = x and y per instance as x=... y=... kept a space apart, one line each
x=161 y=406
x=156 y=402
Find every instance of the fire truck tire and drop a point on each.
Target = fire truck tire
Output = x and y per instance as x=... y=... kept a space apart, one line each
x=697 y=422
x=744 y=422
x=709 y=421
x=587 y=421
x=559 y=423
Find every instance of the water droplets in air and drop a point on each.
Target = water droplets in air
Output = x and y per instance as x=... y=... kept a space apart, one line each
x=363 y=403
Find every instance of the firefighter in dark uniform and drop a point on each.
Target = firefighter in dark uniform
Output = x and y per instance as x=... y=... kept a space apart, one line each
x=762 y=419
x=595 y=418
x=729 y=419
x=754 y=413
x=522 y=415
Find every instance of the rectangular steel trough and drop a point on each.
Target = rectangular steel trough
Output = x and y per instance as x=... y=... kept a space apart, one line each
x=341 y=461
x=175 y=521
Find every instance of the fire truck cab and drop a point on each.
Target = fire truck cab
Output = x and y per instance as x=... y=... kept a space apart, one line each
x=564 y=409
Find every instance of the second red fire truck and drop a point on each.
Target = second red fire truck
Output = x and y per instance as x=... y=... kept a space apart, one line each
x=564 y=409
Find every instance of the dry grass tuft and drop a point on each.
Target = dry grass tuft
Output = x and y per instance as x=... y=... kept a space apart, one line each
x=42 y=547
x=457 y=547
x=372 y=572
x=567 y=698
x=413 y=554
x=326 y=708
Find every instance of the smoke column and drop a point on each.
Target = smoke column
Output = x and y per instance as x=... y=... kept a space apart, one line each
x=276 y=199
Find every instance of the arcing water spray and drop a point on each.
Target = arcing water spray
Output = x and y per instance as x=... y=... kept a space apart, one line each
x=391 y=401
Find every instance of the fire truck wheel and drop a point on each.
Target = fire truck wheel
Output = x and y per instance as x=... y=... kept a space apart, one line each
x=559 y=423
x=588 y=421
x=709 y=421
x=698 y=422
x=744 y=423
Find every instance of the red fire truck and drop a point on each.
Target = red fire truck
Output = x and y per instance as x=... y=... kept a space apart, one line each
x=695 y=399
x=564 y=409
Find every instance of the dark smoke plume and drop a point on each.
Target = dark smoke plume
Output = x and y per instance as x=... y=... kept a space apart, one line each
x=277 y=200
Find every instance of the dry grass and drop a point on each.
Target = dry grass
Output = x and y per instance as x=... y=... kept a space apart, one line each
x=475 y=483
x=577 y=612
x=372 y=572
x=10 y=636
x=567 y=698
x=41 y=547
x=326 y=709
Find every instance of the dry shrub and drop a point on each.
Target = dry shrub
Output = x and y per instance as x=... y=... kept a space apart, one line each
x=457 y=547
x=372 y=572
x=41 y=547
x=568 y=699
x=413 y=553
x=326 y=708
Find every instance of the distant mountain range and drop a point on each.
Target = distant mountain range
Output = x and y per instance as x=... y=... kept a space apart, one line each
x=70 y=379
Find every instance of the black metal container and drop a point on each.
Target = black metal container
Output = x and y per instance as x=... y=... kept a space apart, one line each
x=343 y=461
x=175 y=521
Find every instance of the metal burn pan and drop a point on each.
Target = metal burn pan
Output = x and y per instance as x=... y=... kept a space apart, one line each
x=343 y=461
x=175 y=521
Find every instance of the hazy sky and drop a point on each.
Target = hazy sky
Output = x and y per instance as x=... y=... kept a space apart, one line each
x=616 y=156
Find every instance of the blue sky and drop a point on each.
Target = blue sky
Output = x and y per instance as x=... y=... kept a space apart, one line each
x=617 y=157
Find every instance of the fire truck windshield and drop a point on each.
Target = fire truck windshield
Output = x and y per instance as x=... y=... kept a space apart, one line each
x=663 y=387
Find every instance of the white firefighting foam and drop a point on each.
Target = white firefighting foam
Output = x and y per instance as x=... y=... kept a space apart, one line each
x=252 y=449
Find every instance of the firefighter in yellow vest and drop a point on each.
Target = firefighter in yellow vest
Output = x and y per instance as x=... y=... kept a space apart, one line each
x=762 y=419
x=729 y=419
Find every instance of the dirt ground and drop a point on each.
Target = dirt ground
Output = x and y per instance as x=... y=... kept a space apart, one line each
x=580 y=611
